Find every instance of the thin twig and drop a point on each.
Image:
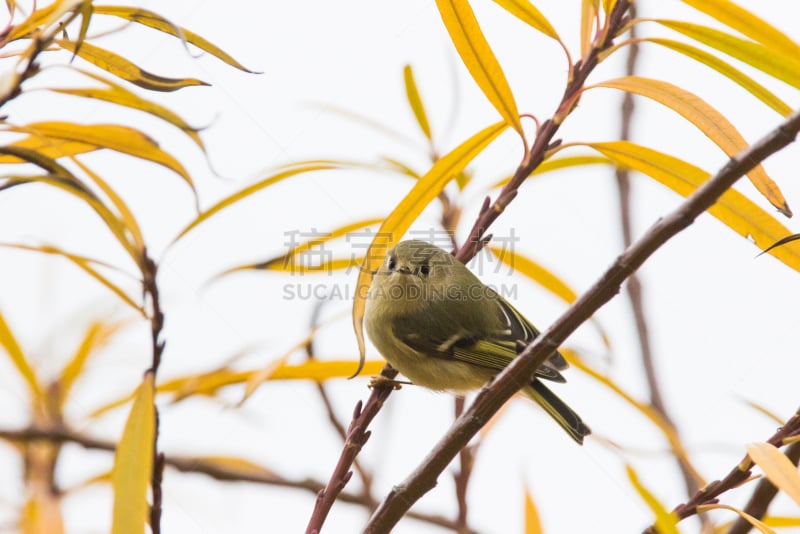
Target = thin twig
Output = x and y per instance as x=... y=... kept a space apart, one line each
x=466 y=459
x=633 y=287
x=734 y=478
x=762 y=496
x=518 y=372
x=357 y=436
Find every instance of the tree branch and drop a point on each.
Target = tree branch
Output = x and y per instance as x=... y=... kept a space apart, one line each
x=517 y=374
x=763 y=495
x=734 y=478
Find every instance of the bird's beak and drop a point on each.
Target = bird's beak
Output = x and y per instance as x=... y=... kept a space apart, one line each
x=404 y=269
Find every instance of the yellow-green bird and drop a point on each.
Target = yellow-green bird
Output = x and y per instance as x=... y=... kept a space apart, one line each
x=440 y=326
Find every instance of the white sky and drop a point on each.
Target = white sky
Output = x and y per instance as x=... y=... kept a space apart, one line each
x=723 y=324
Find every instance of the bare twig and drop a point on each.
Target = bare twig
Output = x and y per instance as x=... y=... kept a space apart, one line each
x=735 y=477
x=633 y=287
x=357 y=436
x=466 y=459
x=762 y=496
x=517 y=374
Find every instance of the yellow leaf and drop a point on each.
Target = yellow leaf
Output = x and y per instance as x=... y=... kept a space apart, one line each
x=708 y=120
x=233 y=464
x=543 y=277
x=122 y=68
x=48 y=147
x=782 y=522
x=262 y=375
x=125 y=215
x=479 y=59
x=42 y=514
x=293 y=260
x=766 y=411
x=645 y=409
x=533 y=525
x=734 y=209
x=764 y=529
x=117 y=94
x=554 y=164
x=14 y=351
x=405 y=213
x=525 y=11
x=778 y=468
x=775 y=63
x=42 y=18
x=666 y=522
x=86 y=265
x=133 y=464
x=746 y=82
x=249 y=190
x=589 y=15
x=608 y=5
x=535 y=272
x=114 y=137
x=415 y=102
x=747 y=23
x=96 y=336
x=156 y=21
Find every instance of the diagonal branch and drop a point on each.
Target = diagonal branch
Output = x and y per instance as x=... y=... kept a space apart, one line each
x=517 y=374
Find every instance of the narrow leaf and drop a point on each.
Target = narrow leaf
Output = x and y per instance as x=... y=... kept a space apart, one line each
x=778 y=468
x=726 y=69
x=42 y=19
x=764 y=529
x=666 y=522
x=781 y=242
x=18 y=359
x=589 y=14
x=254 y=188
x=533 y=525
x=415 y=102
x=733 y=208
x=121 y=96
x=122 y=68
x=114 y=137
x=525 y=11
x=708 y=120
x=773 y=62
x=554 y=164
x=405 y=213
x=747 y=23
x=96 y=336
x=133 y=463
x=156 y=21
x=47 y=147
x=645 y=409
x=479 y=59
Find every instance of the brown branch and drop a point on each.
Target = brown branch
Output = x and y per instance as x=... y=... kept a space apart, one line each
x=216 y=471
x=545 y=133
x=357 y=436
x=633 y=287
x=762 y=496
x=517 y=374
x=735 y=477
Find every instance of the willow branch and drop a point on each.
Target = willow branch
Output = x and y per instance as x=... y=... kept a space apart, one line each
x=736 y=476
x=762 y=496
x=519 y=371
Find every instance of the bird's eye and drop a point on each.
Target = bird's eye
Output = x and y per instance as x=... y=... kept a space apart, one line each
x=392 y=264
x=424 y=270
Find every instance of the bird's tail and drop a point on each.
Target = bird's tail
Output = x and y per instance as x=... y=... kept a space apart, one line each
x=558 y=410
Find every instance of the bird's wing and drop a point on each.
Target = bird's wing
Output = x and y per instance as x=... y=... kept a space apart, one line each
x=492 y=350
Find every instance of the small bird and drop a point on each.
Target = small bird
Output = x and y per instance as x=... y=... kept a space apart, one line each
x=441 y=327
